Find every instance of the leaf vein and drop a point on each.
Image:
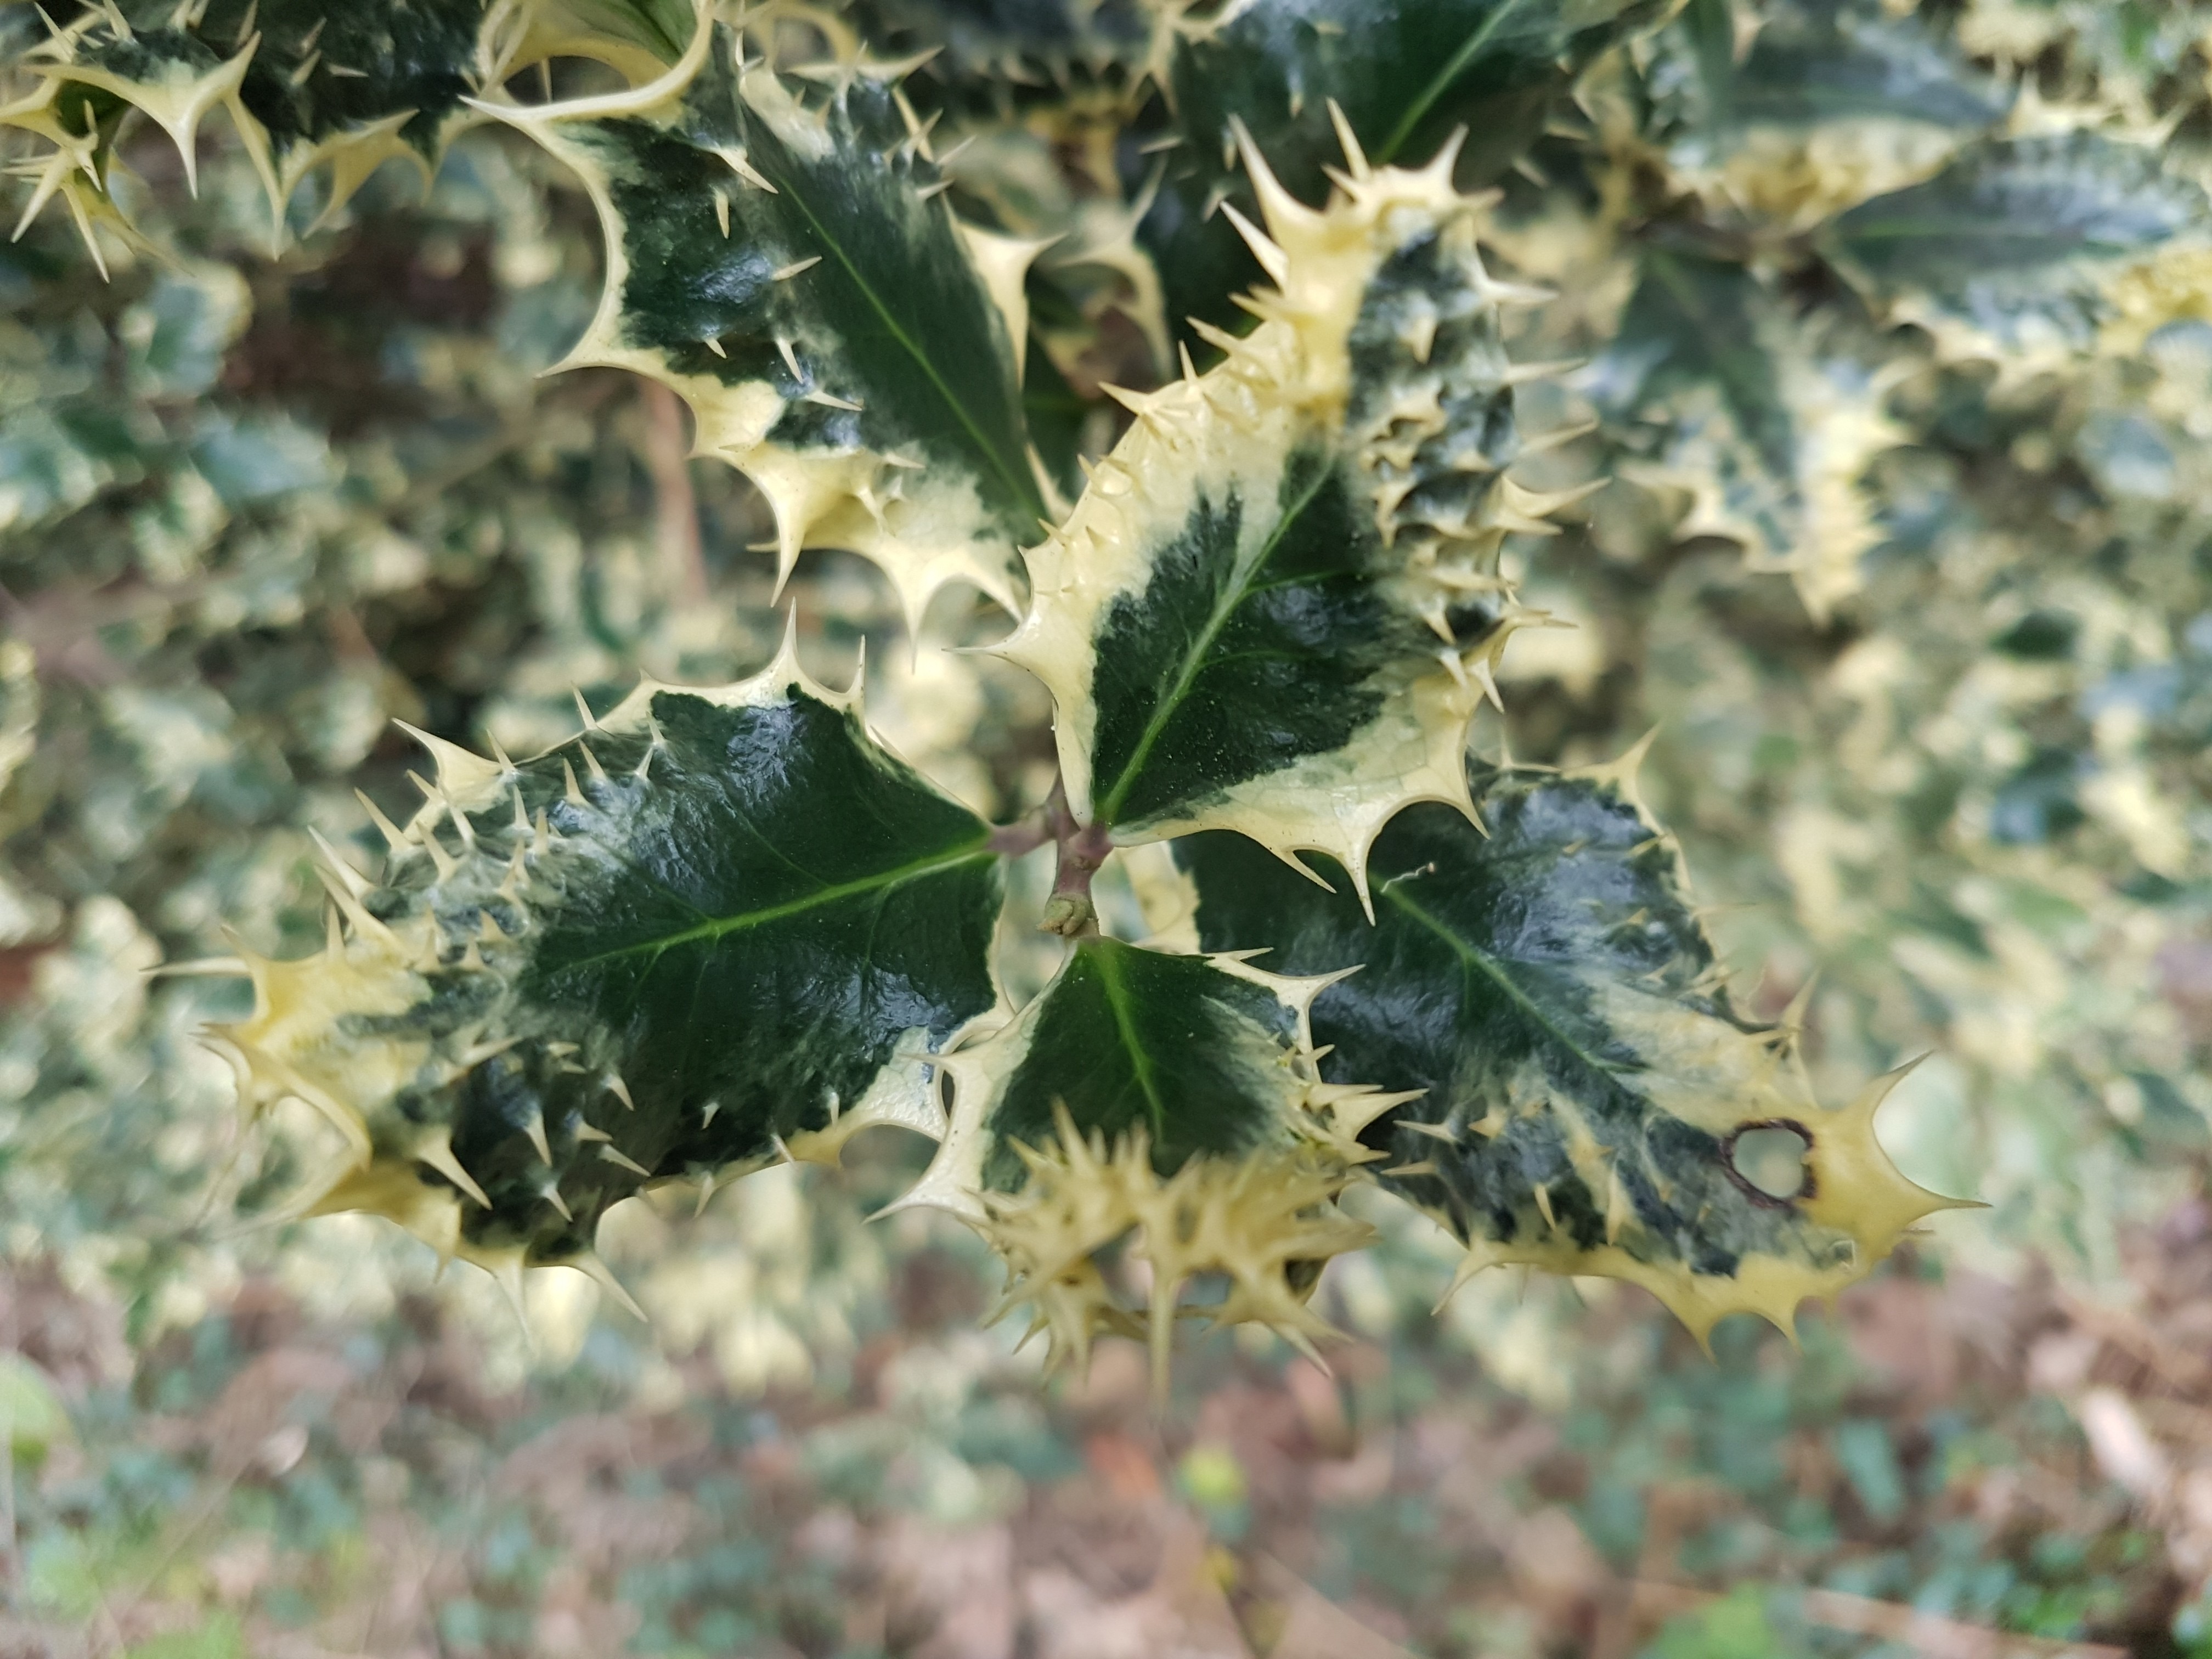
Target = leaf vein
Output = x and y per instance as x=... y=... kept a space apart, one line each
x=1488 y=966
x=1015 y=478
x=1233 y=594
x=878 y=882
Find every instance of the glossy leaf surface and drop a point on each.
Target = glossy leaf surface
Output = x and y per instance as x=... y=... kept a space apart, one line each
x=1406 y=73
x=1169 y=1097
x=2026 y=246
x=782 y=262
x=1770 y=435
x=1132 y=1041
x=718 y=926
x=1274 y=606
x=1582 y=1077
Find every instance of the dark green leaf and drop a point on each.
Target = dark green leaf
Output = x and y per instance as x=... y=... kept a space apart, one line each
x=1771 y=435
x=1168 y=1096
x=1274 y=605
x=304 y=82
x=1055 y=414
x=713 y=926
x=1694 y=323
x=1131 y=1041
x=1405 y=72
x=309 y=85
x=1549 y=991
x=778 y=264
x=1824 y=105
x=989 y=51
x=2018 y=244
x=1843 y=62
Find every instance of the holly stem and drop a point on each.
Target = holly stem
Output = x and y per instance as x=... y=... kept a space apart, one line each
x=1083 y=847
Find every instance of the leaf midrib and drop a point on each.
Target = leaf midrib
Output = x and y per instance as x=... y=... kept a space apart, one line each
x=1454 y=68
x=1746 y=407
x=1015 y=478
x=1233 y=594
x=717 y=928
x=1488 y=965
x=1905 y=228
x=1117 y=1004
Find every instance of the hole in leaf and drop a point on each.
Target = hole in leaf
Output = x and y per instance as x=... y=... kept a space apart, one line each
x=1772 y=1158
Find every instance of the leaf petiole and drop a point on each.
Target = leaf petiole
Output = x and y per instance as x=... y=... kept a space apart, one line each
x=1083 y=848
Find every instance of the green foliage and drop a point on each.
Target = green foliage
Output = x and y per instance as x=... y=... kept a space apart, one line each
x=839 y=335
x=1579 y=1083
x=304 y=89
x=219 y=1638
x=1274 y=606
x=1736 y=1628
x=1775 y=424
x=1133 y=1043
x=1405 y=77
x=31 y=1417
x=1173 y=1097
x=510 y=1042
x=2018 y=241
x=1930 y=344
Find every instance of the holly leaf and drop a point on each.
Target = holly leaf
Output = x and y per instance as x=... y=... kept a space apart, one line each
x=1404 y=75
x=1275 y=606
x=1829 y=106
x=1169 y=1101
x=718 y=927
x=308 y=86
x=987 y=53
x=782 y=261
x=1770 y=435
x=2031 y=251
x=1824 y=64
x=1588 y=1101
x=638 y=37
x=1056 y=414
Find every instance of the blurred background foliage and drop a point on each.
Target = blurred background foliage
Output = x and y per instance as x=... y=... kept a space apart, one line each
x=1924 y=625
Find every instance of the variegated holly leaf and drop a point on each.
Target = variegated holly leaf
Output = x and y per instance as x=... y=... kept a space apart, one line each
x=1831 y=104
x=718 y=927
x=638 y=38
x=1169 y=1101
x=1771 y=435
x=307 y=85
x=2030 y=250
x=1275 y=606
x=1405 y=77
x=780 y=258
x=985 y=53
x=1588 y=1102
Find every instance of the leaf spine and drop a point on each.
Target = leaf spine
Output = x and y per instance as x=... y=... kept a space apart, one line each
x=593 y=1269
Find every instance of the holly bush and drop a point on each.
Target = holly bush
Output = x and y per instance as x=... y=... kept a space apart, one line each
x=1330 y=433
